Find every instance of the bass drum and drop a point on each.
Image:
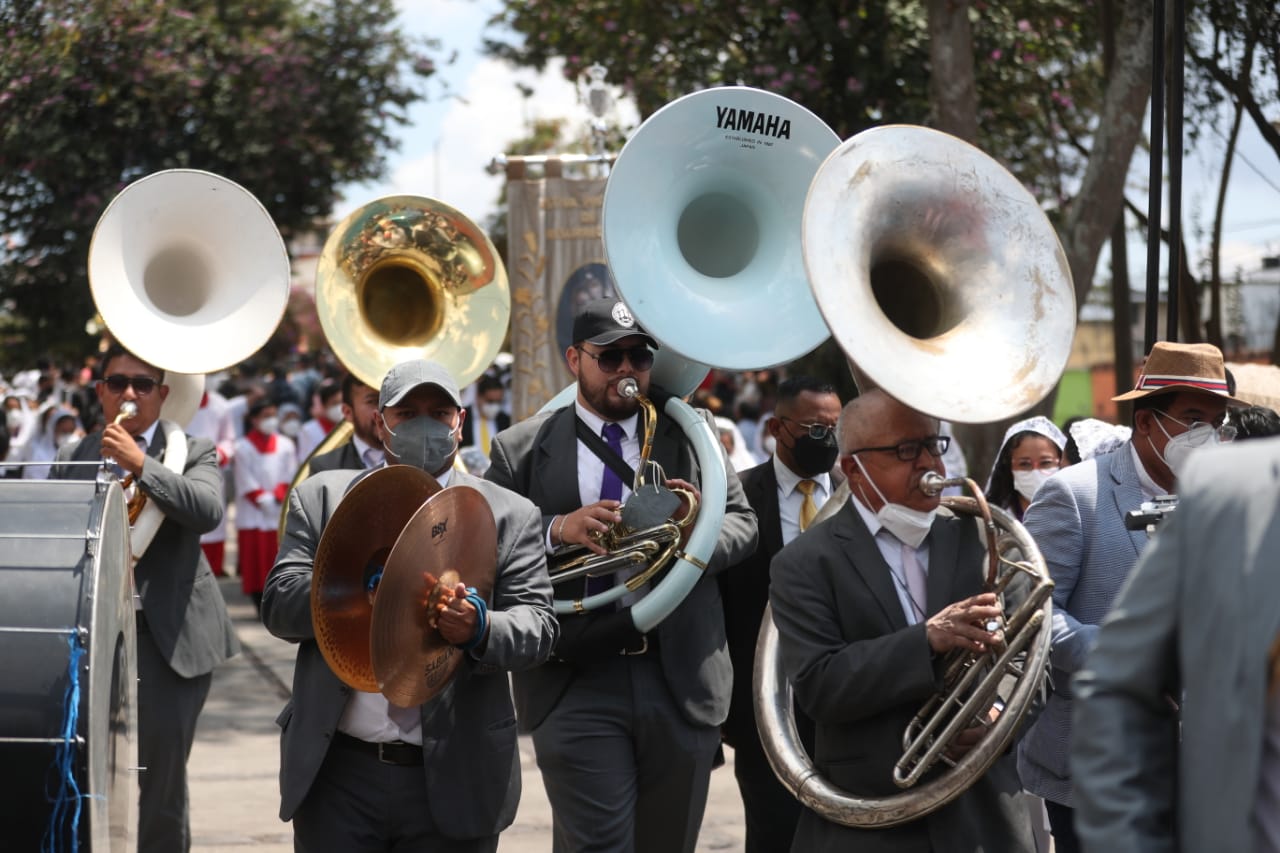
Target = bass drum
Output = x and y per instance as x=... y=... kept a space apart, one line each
x=68 y=695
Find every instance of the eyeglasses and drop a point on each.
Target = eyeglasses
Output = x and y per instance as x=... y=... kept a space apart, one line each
x=909 y=451
x=143 y=385
x=1225 y=431
x=818 y=432
x=610 y=360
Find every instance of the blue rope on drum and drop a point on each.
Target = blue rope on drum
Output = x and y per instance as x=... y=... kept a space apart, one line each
x=64 y=816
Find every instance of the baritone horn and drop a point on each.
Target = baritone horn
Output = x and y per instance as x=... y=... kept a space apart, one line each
x=946 y=286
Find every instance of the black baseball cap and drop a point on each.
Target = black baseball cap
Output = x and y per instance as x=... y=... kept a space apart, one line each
x=603 y=321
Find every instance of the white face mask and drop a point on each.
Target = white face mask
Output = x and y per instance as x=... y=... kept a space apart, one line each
x=13 y=419
x=64 y=439
x=489 y=411
x=1027 y=482
x=909 y=525
x=768 y=444
x=291 y=427
x=1180 y=447
x=334 y=413
x=269 y=426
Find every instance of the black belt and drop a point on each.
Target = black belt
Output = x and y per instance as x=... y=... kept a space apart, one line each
x=645 y=644
x=396 y=752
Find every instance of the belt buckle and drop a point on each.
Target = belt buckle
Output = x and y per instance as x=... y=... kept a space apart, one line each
x=644 y=647
x=381 y=758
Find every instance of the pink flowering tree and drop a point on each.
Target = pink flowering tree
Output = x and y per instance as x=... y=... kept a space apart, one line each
x=288 y=98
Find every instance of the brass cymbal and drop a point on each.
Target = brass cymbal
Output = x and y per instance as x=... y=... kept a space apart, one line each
x=453 y=532
x=360 y=534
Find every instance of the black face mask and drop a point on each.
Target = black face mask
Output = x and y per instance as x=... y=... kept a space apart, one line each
x=814 y=457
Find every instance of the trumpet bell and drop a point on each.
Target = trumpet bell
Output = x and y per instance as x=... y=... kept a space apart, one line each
x=408 y=277
x=938 y=273
x=702 y=209
x=188 y=271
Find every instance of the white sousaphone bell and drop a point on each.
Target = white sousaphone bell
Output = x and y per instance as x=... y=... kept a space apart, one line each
x=190 y=274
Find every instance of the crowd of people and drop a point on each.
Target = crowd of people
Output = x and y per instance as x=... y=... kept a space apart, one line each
x=869 y=596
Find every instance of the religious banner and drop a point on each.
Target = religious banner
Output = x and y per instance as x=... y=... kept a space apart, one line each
x=555 y=260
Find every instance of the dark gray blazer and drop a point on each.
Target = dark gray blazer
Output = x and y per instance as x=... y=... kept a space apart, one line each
x=472 y=763
x=1195 y=622
x=538 y=458
x=180 y=596
x=862 y=673
x=344 y=456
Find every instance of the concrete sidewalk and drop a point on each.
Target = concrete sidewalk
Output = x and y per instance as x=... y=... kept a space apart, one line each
x=234 y=765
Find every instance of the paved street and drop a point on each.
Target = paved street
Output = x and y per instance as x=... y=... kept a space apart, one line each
x=233 y=768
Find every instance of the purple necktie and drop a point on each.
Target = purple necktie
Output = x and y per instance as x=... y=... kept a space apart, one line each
x=610 y=490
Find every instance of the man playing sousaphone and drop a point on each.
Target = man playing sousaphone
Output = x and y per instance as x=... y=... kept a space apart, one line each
x=625 y=725
x=868 y=605
x=358 y=772
x=183 y=627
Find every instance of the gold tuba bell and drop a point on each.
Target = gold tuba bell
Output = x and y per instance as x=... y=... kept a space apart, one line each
x=946 y=286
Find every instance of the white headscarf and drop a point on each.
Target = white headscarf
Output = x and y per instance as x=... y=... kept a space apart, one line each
x=1038 y=424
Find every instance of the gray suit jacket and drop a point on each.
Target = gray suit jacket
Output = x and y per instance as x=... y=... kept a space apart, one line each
x=862 y=673
x=344 y=456
x=180 y=596
x=1077 y=519
x=1198 y=616
x=537 y=458
x=472 y=763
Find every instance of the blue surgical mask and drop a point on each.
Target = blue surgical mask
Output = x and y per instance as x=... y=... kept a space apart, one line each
x=422 y=442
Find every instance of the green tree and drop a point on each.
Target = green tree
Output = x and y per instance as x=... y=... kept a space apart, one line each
x=853 y=63
x=290 y=98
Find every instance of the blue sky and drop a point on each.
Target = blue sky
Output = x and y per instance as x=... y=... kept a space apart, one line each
x=444 y=151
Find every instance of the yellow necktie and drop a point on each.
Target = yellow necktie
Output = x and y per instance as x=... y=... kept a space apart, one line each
x=484 y=436
x=808 y=509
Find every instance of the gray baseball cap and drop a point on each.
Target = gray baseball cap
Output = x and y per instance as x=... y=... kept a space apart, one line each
x=407 y=375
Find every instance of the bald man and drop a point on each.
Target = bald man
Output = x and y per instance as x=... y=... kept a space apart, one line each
x=868 y=603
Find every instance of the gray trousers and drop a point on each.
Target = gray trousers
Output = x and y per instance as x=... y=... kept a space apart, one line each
x=357 y=804
x=168 y=708
x=624 y=770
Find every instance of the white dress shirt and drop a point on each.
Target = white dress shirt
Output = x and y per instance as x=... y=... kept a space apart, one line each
x=891 y=549
x=790 y=499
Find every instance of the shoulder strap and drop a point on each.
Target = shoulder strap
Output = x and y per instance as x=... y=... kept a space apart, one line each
x=604 y=452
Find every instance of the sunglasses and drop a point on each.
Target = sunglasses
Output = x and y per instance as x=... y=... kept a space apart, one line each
x=117 y=383
x=818 y=432
x=610 y=360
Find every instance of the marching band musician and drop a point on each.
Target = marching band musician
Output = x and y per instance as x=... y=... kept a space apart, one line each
x=183 y=627
x=364 y=449
x=867 y=605
x=625 y=726
x=786 y=491
x=358 y=773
